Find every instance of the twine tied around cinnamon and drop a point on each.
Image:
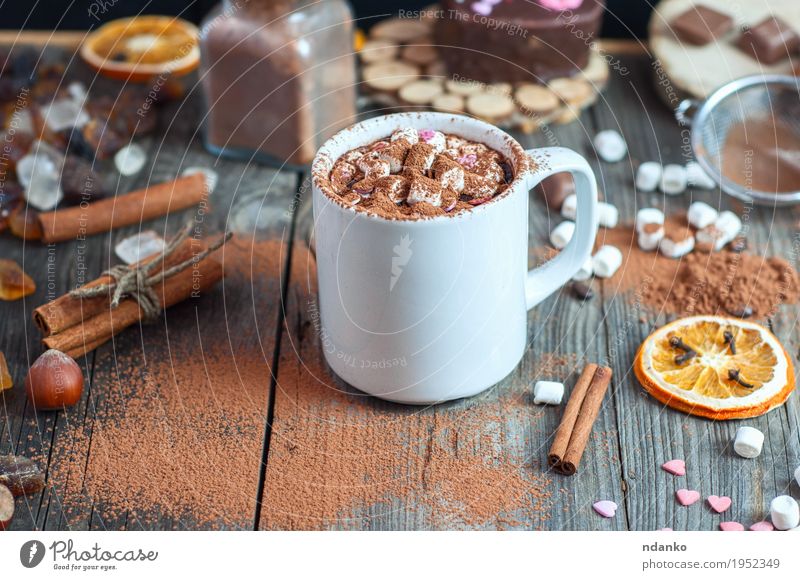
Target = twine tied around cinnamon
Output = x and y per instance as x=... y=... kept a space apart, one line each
x=135 y=281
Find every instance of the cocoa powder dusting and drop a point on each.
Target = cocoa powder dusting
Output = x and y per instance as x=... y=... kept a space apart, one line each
x=723 y=283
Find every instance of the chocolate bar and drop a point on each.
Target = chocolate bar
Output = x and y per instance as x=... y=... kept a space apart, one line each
x=769 y=41
x=700 y=25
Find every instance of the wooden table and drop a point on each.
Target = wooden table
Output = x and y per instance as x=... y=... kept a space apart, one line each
x=325 y=456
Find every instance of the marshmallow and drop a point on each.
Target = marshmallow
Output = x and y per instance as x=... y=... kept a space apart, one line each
x=408 y=134
x=648 y=215
x=607 y=214
x=673 y=179
x=648 y=176
x=729 y=224
x=562 y=234
x=569 y=207
x=435 y=139
x=748 y=442
x=797 y=475
x=585 y=273
x=701 y=214
x=610 y=146
x=424 y=189
x=698 y=177
x=548 y=393
x=784 y=512
x=650 y=237
x=676 y=248
x=606 y=261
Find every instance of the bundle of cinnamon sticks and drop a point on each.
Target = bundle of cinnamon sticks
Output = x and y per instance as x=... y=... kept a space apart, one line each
x=579 y=417
x=77 y=326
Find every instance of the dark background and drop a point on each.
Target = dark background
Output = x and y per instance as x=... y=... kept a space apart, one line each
x=624 y=18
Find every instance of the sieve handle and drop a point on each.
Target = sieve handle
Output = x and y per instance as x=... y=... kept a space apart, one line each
x=684 y=112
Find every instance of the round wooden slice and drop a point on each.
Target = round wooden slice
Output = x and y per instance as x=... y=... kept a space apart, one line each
x=536 y=99
x=400 y=30
x=389 y=76
x=420 y=53
x=378 y=50
x=420 y=92
x=490 y=106
x=698 y=70
x=464 y=88
x=574 y=91
x=449 y=103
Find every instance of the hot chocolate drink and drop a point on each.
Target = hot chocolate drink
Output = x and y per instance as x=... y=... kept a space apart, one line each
x=415 y=174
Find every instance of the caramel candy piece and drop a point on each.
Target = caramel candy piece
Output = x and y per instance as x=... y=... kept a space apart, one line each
x=700 y=25
x=769 y=41
x=24 y=223
x=6 y=382
x=555 y=189
x=21 y=475
x=14 y=283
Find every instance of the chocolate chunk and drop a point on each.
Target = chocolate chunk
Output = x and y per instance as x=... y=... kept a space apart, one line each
x=555 y=189
x=769 y=41
x=700 y=25
x=583 y=290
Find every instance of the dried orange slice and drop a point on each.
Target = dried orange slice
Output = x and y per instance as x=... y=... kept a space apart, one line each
x=715 y=367
x=142 y=47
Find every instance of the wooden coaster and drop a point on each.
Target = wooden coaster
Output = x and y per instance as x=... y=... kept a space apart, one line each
x=400 y=67
x=683 y=69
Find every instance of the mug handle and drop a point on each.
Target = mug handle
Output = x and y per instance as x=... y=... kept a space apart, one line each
x=546 y=279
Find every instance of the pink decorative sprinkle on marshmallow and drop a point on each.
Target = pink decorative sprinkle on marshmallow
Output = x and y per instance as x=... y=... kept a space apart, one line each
x=427 y=134
x=606 y=508
x=451 y=207
x=479 y=200
x=482 y=8
x=687 y=496
x=468 y=160
x=762 y=527
x=675 y=467
x=561 y=4
x=719 y=504
x=731 y=527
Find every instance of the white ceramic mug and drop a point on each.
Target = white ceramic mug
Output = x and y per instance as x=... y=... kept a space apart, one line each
x=435 y=309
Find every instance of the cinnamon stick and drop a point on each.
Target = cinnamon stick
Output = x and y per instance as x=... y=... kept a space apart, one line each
x=82 y=338
x=67 y=311
x=559 y=447
x=122 y=210
x=585 y=421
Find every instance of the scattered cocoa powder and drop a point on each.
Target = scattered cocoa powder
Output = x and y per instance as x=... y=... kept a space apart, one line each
x=701 y=283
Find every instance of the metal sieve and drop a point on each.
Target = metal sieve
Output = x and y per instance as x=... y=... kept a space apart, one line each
x=761 y=98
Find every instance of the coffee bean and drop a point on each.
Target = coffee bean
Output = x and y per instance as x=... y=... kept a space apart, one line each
x=583 y=290
x=742 y=312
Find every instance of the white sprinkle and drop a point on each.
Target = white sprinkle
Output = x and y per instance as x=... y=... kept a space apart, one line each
x=569 y=208
x=748 y=442
x=562 y=234
x=698 y=177
x=548 y=393
x=130 y=159
x=648 y=176
x=211 y=176
x=585 y=271
x=648 y=215
x=784 y=512
x=674 y=179
x=610 y=146
x=701 y=214
x=606 y=261
x=676 y=249
x=607 y=214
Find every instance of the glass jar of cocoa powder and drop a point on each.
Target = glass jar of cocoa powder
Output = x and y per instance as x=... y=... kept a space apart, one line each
x=278 y=77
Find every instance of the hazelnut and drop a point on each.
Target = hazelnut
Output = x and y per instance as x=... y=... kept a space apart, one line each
x=54 y=381
x=6 y=507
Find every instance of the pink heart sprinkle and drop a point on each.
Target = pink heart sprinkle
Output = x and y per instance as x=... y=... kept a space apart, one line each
x=468 y=160
x=482 y=8
x=675 y=467
x=605 y=508
x=687 y=496
x=719 y=504
x=731 y=527
x=427 y=134
x=561 y=4
x=762 y=527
